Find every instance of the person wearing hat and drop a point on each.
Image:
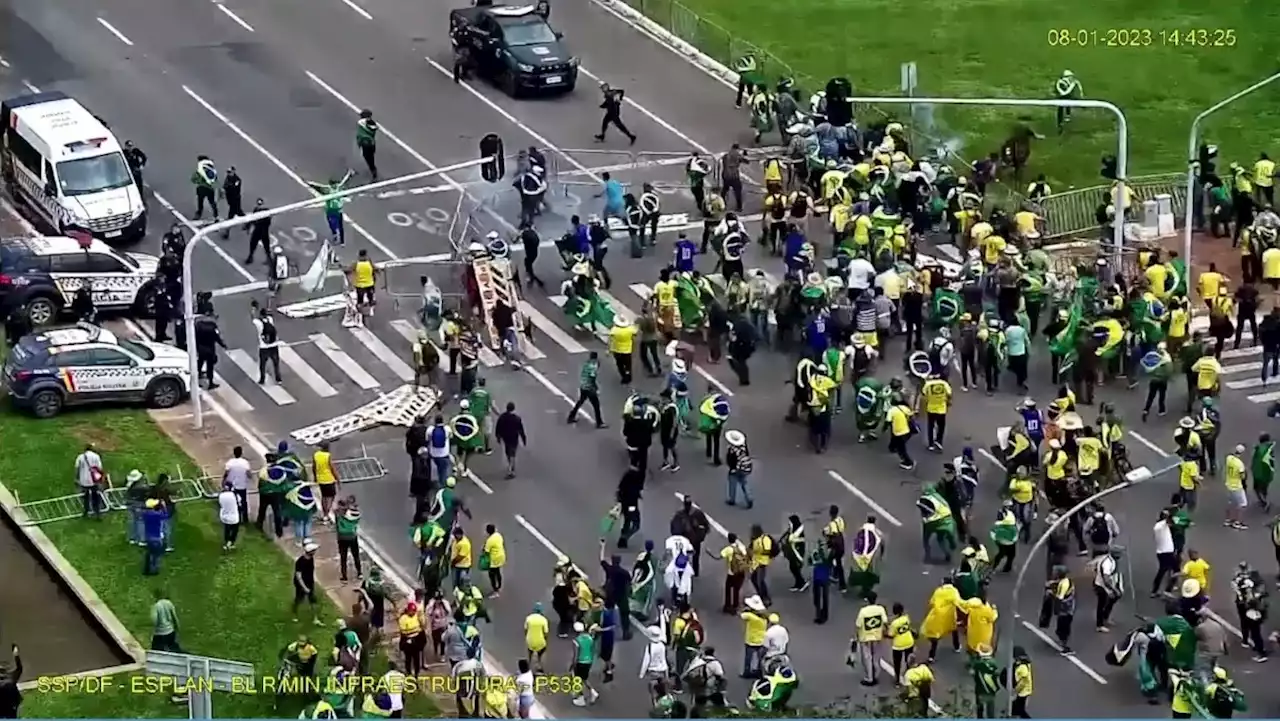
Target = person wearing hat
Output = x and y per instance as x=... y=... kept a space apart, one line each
x=304 y=581
x=755 y=621
x=622 y=339
x=584 y=655
x=154 y=514
x=136 y=492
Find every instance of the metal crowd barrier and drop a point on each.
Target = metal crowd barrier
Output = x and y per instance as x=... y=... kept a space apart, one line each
x=50 y=510
x=619 y=161
x=1075 y=211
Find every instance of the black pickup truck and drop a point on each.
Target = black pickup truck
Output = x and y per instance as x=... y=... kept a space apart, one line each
x=514 y=47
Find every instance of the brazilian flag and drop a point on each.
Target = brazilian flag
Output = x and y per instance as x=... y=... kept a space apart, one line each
x=713 y=412
x=1110 y=337
x=466 y=432
x=772 y=693
x=300 y=500
x=1179 y=641
x=946 y=307
x=1063 y=344
x=1177 y=278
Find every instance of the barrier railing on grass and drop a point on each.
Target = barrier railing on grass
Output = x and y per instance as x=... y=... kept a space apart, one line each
x=183 y=489
x=1075 y=211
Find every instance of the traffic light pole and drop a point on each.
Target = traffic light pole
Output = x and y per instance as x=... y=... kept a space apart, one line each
x=205 y=232
x=1193 y=159
x=1122 y=144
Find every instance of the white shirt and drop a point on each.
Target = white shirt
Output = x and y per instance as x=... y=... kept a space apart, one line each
x=861 y=273
x=1164 y=537
x=677 y=545
x=85 y=464
x=228 y=509
x=237 y=473
x=680 y=581
x=393 y=682
x=776 y=640
x=524 y=687
x=257 y=326
x=1105 y=569
x=655 y=659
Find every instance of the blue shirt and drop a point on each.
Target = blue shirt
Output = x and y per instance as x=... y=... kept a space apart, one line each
x=821 y=573
x=608 y=618
x=1015 y=338
x=153 y=525
x=1034 y=423
x=612 y=194
x=816 y=334
x=685 y=252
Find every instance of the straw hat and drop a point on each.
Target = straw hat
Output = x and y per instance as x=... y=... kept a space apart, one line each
x=734 y=438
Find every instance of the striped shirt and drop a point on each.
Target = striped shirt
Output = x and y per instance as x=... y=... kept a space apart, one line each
x=739 y=459
x=589 y=378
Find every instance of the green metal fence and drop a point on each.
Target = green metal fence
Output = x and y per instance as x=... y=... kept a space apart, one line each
x=1075 y=211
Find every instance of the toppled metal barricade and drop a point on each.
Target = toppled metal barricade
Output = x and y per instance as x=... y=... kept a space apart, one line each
x=396 y=408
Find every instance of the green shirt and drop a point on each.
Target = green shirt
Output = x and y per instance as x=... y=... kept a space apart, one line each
x=366 y=132
x=585 y=646
x=985 y=676
x=164 y=618
x=480 y=402
x=1189 y=354
x=333 y=205
x=588 y=379
x=348 y=525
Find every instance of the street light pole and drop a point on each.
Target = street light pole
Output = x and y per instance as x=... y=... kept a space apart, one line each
x=1135 y=477
x=188 y=291
x=1193 y=140
x=1122 y=143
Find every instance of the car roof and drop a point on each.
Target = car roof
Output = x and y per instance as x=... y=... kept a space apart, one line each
x=54 y=245
x=511 y=11
x=72 y=335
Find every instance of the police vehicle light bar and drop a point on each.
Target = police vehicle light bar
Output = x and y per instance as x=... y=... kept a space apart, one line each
x=511 y=10
x=90 y=144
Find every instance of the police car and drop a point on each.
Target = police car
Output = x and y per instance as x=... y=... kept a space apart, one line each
x=42 y=274
x=84 y=364
x=513 y=46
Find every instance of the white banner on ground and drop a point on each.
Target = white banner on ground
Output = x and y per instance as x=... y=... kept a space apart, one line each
x=313 y=280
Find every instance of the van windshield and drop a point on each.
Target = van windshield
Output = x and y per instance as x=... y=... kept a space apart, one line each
x=94 y=175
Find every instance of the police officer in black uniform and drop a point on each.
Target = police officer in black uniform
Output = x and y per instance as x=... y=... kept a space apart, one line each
x=137 y=161
x=259 y=232
x=650 y=212
x=232 y=191
x=598 y=235
x=208 y=340
x=163 y=311
x=612 y=107
x=531 y=241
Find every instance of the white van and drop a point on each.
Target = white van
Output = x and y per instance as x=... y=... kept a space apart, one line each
x=63 y=163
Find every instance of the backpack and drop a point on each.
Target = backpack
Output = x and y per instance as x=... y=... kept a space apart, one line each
x=774 y=548
x=268 y=332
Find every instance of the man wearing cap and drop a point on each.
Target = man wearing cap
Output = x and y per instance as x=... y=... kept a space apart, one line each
x=136 y=492
x=755 y=621
x=738 y=459
x=304 y=581
x=622 y=339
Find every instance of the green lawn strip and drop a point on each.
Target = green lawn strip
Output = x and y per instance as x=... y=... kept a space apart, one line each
x=1002 y=48
x=232 y=605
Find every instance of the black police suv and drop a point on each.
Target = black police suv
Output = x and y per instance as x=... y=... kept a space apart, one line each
x=514 y=47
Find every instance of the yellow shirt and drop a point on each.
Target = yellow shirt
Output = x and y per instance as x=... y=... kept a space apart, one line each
x=871 y=623
x=1209 y=284
x=1022 y=490
x=917 y=678
x=1264 y=173
x=1178 y=321
x=1089 y=457
x=899 y=421
x=410 y=624
x=536 y=629
x=324 y=467
x=760 y=549
x=862 y=230
x=495 y=547
x=666 y=292
x=980 y=629
x=992 y=248
x=1271 y=263
x=937 y=396
x=583 y=592
x=462 y=553
x=892 y=284
x=1188 y=472
x=1157 y=275
x=1023 y=683
x=755 y=626
x=1207 y=370
x=1234 y=473
x=1199 y=570
x=1025 y=222
x=900 y=632
x=1055 y=464
x=735 y=558
x=622 y=339
x=981 y=231
x=363 y=272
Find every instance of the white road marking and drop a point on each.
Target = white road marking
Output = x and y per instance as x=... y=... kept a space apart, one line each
x=228 y=395
x=550 y=329
x=314 y=307
x=866 y=500
x=283 y=168
x=1245 y=352
x=209 y=240
x=715 y=525
x=383 y=353
x=654 y=117
x=249 y=366
x=112 y=28
x=382 y=130
x=1241 y=368
x=547 y=144
x=644 y=292
x=1271 y=397
x=1143 y=440
x=359 y=10
x=406 y=329
x=4 y=63
x=304 y=371
x=1256 y=382
x=555 y=391
x=354 y=371
x=1075 y=660
x=27 y=84
x=238 y=20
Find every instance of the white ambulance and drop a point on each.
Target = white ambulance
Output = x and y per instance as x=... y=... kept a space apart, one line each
x=63 y=163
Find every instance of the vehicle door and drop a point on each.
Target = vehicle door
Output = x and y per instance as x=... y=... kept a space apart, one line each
x=122 y=377
x=115 y=285
x=69 y=271
x=80 y=377
x=488 y=40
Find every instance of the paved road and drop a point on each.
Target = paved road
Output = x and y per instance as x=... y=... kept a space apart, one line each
x=279 y=102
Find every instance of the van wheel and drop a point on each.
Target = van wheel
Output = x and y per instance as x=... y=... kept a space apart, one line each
x=41 y=310
x=510 y=85
x=164 y=393
x=46 y=403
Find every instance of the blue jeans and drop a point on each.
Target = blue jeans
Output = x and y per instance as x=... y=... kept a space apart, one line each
x=739 y=482
x=301 y=528
x=752 y=656
x=443 y=466
x=166 y=532
x=337 y=228
x=133 y=526
x=151 y=557
x=760 y=319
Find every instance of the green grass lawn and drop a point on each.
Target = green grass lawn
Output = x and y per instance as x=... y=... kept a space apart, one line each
x=976 y=48
x=230 y=605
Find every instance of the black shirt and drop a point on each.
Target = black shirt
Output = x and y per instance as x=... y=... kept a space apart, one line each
x=305 y=567
x=612 y=104
x=509 y=429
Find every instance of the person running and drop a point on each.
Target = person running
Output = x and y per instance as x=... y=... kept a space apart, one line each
x=367 y=140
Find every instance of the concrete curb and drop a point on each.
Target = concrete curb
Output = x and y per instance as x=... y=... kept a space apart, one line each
x=84 y=593
x=642 y=24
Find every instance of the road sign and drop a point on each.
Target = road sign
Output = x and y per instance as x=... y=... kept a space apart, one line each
x=200 y=675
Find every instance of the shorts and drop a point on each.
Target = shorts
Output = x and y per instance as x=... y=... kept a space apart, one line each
x=1238 y=498
x=364 y=296
x=300 y=595
x=581 y=670
x=606 y=650
x=510 y=449
x=328 y=490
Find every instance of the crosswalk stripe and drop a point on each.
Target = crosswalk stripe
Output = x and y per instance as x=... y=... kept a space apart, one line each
x=232 y=400
x=304 y=371
x=249 y=366
x=1247 y=383
x=383 y=353
x=550 y=330
x=620 y=309
x=409 y=332
x=406 y=329
x=644 y=292
x=346 y=363
x=1271 y=397
x=1241 y=368
x=1242 y=352
x=601 y=333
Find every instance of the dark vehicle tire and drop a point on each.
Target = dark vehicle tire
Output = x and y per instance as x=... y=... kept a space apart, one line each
x=164 y=393
x=41 y=310
x=568 y=89
x=510 y=85
x=46 y=403
x=144 y=306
